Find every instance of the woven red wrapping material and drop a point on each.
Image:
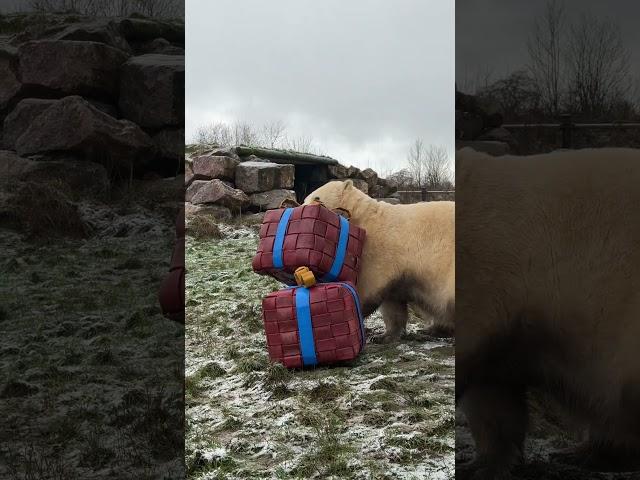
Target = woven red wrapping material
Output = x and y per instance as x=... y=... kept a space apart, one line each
x=311 y=241
x=335 y=323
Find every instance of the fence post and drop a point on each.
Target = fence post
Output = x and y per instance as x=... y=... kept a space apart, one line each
x=423 y=194
x=566 y=126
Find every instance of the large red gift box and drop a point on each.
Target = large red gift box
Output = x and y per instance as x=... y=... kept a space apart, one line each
x=309 y=235
x=310 y=326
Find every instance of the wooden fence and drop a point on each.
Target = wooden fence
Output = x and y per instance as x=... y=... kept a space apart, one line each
x=611 y=134
x=425 y=195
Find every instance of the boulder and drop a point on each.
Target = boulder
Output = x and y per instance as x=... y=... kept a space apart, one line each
x=370 y=176
x=170 y=145
x=254 y=177
x=9 y=83
x=158 y=45
x=78 y=179
x=391 y=184
x=20 y=118
x=152 y=90
x=361 y=185
x=73 y=125
x=224 y=152
x=141 y=29
x=71 y=67
x=216 y=212
x=354 y=172
x=377 y=191
x=218 y=192
x=101 y=31
x=253 y=158
x=272 y=199
x=338 y=171
x=188 y=173
x=207 y=167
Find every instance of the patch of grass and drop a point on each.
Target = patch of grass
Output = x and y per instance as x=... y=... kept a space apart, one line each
x=104 y=356
x=419 y=444
x=385 y=384
x=329 y=454
x=199 y=465
x=253 y=363
x=131 y=263
x=276 y=375
x=193 y=383
x=326 y=391
x=212 y=370
x=203 y=227
x=375 y=418
x=230 y=424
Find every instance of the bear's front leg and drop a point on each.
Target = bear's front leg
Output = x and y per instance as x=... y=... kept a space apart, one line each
x=395 y=314
x=497 y=417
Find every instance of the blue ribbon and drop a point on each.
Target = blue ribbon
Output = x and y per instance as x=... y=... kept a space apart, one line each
x=356 y=299
x=341 y=252
x=279 y=240
x=305 y=330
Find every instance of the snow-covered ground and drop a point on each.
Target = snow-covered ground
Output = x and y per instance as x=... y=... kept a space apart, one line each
x=90 y=372
x=388 y=415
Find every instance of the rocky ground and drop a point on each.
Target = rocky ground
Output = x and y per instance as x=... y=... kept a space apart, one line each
x=388 y=415
x=91 y=373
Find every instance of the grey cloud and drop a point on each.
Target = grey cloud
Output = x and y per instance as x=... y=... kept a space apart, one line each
x=363 y=78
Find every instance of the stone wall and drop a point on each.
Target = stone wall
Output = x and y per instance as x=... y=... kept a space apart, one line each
x=90 y=103
x=223 y=183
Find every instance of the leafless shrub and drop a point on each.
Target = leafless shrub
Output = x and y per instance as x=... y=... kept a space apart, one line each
x=598 y=66
x=270 y=135
x=101 y=8
x=429 y=166
x=545 y=46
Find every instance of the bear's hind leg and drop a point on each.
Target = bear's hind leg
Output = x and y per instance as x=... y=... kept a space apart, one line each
x=395 y=314
x=497 y=417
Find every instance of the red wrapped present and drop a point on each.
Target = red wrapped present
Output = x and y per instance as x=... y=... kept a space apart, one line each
x=322 y=324
x=309 y=235
x=171 y=293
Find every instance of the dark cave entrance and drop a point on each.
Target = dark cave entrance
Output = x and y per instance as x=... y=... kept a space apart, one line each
x=308 y=178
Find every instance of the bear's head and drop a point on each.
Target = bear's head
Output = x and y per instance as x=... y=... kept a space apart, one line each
x=331 y=194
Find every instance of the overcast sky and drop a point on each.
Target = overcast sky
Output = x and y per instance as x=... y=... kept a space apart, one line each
x=363 y=78
x=491 y=35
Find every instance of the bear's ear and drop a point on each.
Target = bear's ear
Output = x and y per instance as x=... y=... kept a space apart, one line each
x=348 y=184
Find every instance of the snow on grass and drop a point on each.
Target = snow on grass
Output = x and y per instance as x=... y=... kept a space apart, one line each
x=388 y=414
x=90 y=371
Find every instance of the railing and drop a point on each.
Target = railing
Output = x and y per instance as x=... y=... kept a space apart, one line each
x=567 y=127
x=424 y=194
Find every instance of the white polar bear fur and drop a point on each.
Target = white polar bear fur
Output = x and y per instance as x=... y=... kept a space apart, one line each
x=548 y=294
x=408 y=255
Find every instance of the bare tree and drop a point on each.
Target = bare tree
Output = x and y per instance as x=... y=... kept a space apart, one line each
x=270 y=135
x=545 y=47
x=473 y=82
x=515 y=95
x=416 y=161
x=429 y=166
x=273 y=133
x=598 y=65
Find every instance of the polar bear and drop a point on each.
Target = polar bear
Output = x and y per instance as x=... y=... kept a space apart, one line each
x=408 y=256
x=548 y=297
